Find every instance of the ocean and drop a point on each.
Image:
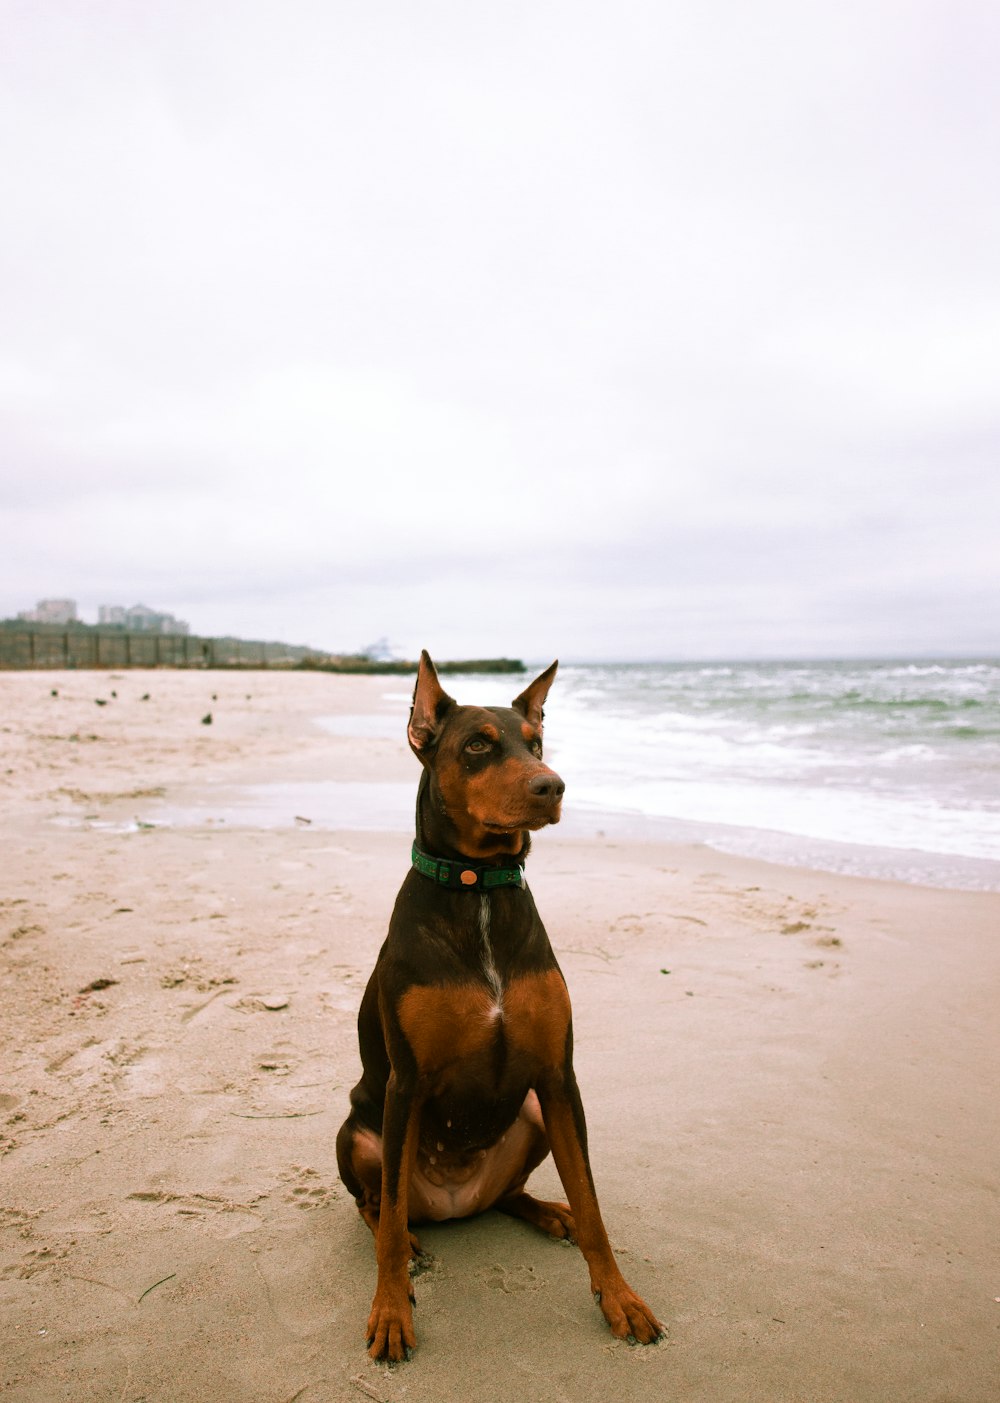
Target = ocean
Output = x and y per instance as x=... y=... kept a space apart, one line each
x=880 y=768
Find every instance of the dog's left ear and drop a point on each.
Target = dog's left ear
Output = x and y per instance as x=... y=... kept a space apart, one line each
x=532 y=699
x=431 y=703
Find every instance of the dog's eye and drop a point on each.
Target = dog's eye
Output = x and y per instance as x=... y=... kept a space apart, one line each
x=536 y=748
x=477 y=746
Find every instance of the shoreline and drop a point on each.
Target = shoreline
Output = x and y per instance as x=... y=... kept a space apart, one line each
x=788 y=1074
x=370 y=799
x=386 y=807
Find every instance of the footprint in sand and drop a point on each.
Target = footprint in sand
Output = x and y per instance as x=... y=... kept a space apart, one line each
x=221 y=1216
x=38 y=1261
x=499 y=1278
x=308 y=1190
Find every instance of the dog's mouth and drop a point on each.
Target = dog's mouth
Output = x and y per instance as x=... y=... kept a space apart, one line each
x=532 y=822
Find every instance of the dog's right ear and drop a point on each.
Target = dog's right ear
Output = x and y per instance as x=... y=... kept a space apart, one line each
x=431 y=704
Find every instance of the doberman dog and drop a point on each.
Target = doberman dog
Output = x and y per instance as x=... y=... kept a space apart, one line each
x=465 y=1027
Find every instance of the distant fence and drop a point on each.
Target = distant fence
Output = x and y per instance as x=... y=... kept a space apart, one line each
x=48 y=647
x=26 y=646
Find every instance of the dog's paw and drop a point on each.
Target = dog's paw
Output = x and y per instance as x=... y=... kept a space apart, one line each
x=556 y=1220
x=628 y=1315
x=390 y=1328
x=549 y=1217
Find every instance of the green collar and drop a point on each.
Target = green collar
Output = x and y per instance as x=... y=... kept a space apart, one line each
x=466 y=876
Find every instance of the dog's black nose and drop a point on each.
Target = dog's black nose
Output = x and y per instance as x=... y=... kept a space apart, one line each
x=547 y=785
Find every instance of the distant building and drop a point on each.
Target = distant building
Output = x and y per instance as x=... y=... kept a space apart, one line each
x=140 y=619
x=51 y=611
x=381 y=651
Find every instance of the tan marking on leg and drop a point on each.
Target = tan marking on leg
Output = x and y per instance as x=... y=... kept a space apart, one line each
x=626 y=1313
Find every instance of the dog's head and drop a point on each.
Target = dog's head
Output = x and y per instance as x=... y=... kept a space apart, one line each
x=485 y=763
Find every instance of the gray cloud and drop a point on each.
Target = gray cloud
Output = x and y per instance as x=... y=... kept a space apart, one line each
x=579 y=329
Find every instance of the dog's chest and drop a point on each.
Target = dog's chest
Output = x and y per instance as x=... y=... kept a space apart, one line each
x=523 y=1014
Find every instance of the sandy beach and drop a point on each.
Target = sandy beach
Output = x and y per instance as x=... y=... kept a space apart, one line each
x=790 y=1081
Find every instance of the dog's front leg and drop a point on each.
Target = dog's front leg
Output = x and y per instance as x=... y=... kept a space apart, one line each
x=390 y=1324
x=562 y=1110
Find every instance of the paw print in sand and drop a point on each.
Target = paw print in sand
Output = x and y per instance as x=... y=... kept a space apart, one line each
x=306 y=1189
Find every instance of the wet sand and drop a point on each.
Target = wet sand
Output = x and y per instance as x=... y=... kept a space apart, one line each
x=790 y=1080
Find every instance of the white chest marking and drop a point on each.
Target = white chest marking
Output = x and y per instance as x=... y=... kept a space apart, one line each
x=490 y=971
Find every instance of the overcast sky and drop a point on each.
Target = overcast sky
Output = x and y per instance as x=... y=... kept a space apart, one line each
x=594 y=330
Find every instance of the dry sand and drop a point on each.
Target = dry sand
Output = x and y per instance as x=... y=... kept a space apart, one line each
x=790 y=1079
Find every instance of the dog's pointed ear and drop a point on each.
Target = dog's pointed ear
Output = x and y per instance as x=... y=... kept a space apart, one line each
x=532 y=699
x=431 y=703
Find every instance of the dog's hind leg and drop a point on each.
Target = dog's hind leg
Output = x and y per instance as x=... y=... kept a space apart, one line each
x=549 y=1217
x=359 y=1153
